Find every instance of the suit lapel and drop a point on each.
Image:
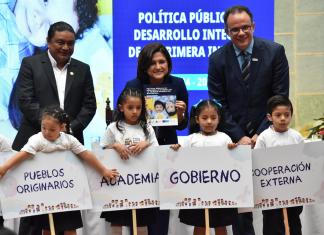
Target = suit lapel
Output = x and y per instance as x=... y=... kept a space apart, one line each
x=256 y=61
x=70 y=77
x=47 y=66
x=235 y=68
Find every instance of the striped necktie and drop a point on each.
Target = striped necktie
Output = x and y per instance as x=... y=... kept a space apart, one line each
x=245 y=66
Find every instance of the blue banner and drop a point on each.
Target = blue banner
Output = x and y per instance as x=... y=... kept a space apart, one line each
x=190 y=29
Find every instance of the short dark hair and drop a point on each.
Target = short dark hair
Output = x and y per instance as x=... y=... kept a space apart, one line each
x=236 y=9
x=278 y=100
x=59 y=26
x=159 y=102
x=145 y=59
x=58 y=114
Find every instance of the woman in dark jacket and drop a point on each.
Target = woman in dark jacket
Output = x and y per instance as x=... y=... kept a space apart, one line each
x=154 y=68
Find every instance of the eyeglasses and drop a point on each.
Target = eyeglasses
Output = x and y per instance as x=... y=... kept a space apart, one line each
x=244 y=28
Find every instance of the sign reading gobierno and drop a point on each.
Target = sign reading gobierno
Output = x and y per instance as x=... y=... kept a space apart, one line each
x=208 y=177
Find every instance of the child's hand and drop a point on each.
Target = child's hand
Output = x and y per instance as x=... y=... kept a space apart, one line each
x=3 y=171
x=232 y=145
x=139 y=147
x=175 y=147
x=110 y=173
x=123 y=151
x=253 y=140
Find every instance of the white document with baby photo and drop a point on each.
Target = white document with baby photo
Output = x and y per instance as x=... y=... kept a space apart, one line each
x=161 y=105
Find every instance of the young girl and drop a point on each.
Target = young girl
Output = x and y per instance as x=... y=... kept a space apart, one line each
x=204 y=119
x=52 y=138
x=129 y=135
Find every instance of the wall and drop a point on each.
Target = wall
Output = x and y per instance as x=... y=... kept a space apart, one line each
x=299 y=27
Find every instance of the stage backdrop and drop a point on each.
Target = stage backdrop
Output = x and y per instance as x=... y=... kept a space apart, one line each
x=190 y=29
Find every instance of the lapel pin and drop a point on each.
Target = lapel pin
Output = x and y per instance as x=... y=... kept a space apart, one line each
x=255 y=59
x=71 y=73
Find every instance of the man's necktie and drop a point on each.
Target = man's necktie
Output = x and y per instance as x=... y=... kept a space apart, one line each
x=245 y=66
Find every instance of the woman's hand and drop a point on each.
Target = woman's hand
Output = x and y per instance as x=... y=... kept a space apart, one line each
x=110 y=174
x=245 y=140
x=123 y=151
x=175 y=147
x=139 y=147
x=181 y=109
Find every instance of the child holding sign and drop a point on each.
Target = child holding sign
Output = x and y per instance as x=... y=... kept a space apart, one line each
x=204 y=119
x=130 y=135
x=280 y=112
x=54 y=122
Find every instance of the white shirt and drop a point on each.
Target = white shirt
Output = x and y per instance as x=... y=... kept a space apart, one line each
x=37 y=143
x=5 y=145
x=271 y=138
x=131 y=134
x=200 y=140
x=60 y=78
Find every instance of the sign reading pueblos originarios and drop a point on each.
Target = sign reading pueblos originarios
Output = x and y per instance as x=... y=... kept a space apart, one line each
x=136 y=187
x=45 y=183
x=3 y=157
x=205 y=177
x=288 y=176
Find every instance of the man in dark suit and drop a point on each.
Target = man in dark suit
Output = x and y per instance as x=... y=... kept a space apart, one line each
x=54 y=78
x=243 y=75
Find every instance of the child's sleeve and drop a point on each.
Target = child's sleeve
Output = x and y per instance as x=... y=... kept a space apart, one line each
x=75 y=146
x=260 y=142
x=227 y=139
x=186 y=141
x=109 y=136
x=33 y=145
x=300 y=138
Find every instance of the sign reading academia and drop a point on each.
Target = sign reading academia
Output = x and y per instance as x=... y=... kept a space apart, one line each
x=136 y=187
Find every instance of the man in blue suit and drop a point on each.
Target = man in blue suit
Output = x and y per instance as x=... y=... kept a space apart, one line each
x=243 y=75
